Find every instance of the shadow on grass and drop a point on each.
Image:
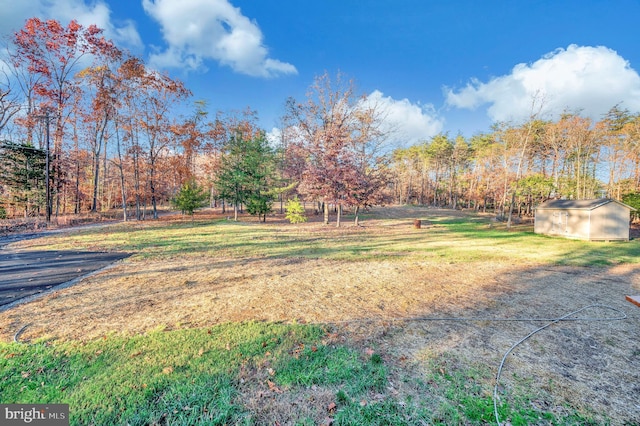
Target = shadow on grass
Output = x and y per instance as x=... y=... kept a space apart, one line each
x=456 y=238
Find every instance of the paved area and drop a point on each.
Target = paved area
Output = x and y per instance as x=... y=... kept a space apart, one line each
x=26 y=273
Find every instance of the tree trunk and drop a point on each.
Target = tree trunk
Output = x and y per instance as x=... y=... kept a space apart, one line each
x=153 y=191
x=123 y=191
x=513 y=200
x=96 y=177
x=339 y=215
x=325 y=207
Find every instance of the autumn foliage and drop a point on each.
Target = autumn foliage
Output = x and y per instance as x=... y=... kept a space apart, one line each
x=115 y=136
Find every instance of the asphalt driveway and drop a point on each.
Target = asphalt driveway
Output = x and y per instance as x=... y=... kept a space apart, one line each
x=26 y=273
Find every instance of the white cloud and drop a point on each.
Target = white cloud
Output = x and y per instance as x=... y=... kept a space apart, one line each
x=274 y=136
x=585 y=78
x=407 y=123
x=96 y=13
x=403 y=123
x=197 y=30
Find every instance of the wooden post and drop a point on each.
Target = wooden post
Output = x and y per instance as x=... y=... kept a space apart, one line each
x=634 y=299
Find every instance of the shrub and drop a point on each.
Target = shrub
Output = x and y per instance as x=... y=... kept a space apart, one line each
x=190 y=198
x=294 y=211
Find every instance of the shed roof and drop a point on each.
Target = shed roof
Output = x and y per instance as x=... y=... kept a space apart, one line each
x=578 y=204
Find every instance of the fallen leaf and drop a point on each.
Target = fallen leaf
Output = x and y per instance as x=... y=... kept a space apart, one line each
x=331 y=407
x=167 y=370
x=273 y=387
x=363 y=403
x=369 y=351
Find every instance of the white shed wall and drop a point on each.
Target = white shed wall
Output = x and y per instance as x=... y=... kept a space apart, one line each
x=610 y=222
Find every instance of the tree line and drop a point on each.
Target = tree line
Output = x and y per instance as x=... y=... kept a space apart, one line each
x=513 y=168
x=88 y=127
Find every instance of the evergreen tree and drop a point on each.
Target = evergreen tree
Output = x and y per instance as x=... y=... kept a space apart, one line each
x=246 y=174
x=22 y=173
x=190 y=198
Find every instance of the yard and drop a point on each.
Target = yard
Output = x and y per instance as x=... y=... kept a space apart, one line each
x=219 y=322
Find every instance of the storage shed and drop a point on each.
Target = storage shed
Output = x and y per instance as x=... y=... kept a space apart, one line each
x=593 y=220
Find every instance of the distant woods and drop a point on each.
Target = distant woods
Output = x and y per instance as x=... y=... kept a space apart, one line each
x=520 y=166
x=86 y=127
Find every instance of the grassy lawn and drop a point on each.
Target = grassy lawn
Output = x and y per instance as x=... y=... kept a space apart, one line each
x=214 y=376
x=448 y=238
x=191 y=376
x=286 y=372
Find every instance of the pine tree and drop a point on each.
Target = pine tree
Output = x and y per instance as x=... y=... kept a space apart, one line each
x=190 y=198
x=246 y=174
x=22 y=173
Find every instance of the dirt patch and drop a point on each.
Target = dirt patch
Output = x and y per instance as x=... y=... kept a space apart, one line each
x=593 y=366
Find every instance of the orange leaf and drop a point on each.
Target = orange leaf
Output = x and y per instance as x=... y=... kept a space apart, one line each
x=273 y=387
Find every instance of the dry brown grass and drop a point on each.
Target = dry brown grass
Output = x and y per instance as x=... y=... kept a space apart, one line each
x=588 y=365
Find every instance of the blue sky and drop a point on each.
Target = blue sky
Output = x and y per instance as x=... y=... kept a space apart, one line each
x=437 y=66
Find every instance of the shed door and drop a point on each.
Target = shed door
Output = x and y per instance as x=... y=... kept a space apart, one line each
x=560 y=221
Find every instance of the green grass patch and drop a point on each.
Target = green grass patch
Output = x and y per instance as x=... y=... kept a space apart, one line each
x=190 y=377
x=177 y=377
x=194 y=377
